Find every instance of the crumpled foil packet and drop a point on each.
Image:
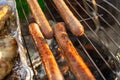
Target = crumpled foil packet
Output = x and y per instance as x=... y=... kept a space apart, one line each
x=21 y=70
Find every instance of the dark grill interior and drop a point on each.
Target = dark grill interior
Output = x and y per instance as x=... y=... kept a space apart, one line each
x=99 y=46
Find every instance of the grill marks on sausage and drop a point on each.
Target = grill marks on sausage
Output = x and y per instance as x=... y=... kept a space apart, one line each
x=47 y=57
x=40 y=19
x=73 y=23
x=78 y=67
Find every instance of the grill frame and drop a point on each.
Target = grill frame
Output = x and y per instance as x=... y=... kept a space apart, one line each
x=85 y=35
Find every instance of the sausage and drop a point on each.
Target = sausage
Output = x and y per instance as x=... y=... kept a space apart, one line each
x=40 y=19
x=72 y=22
x=47 y=57
x=76 y=63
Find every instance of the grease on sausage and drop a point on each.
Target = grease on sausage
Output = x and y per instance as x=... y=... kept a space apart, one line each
x=40 y=19
x=72 y=22
x=76 y=63
x=47 y=57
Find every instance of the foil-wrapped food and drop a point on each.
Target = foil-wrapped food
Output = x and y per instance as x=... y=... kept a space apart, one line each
x=8 y=44
x=8 y=51
x=11 y=44
x=5 y=12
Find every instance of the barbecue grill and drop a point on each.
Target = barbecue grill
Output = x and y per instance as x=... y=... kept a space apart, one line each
x=99 y=46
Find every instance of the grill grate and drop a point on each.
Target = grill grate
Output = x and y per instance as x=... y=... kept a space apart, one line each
x=99 y=31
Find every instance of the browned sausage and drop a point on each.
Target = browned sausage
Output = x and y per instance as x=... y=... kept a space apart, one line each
x=76 y=63
x=73 y=23
x=47 y=57
x=40 y=19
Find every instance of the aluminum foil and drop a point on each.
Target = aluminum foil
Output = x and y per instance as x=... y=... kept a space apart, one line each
x=21 y=70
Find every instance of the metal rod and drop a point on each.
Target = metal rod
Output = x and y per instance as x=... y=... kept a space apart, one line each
x=94 y=13
x=49 y=11
x=21 y=5
x=53 y=5
x=99 y=54
x=94 y=18
x=83 y=19
x=107 y=34
x=111 y=5
x=91 y=59
x=107 y=12
x=110 y=37
x=97 y=15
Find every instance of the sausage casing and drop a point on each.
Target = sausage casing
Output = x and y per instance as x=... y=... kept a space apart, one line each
x=76 y=63
x=72 y=22
x=47 y=57
x=40 y=19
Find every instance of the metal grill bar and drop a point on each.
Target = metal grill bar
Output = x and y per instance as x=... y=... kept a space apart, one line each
x=88 y=14
x=99 y=16
x=111 y=5
x=110 y=27
x=110 y=37
x=107 y=12
x=49 y=11
x=91 y=17
x=91 y=59
x=105 y=22
x=27 y=21
x=106 y=32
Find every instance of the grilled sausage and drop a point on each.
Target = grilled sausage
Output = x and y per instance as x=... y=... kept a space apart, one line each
x=72 y=22
x=40 y=19
x=47 y=57
x=75 y=62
